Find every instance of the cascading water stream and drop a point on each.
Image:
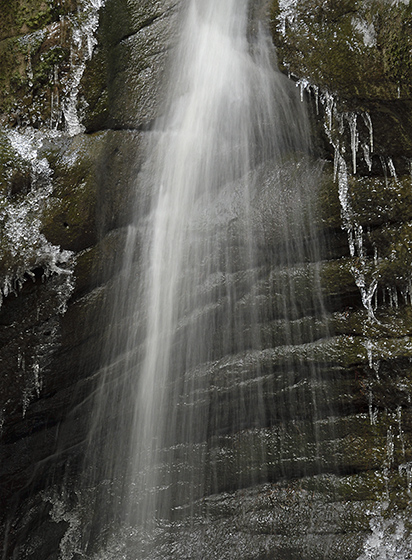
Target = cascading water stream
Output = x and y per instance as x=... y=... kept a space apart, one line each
x=187 y=360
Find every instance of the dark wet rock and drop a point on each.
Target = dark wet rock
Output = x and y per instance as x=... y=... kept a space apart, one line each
x=123 y=81
x=330 y=464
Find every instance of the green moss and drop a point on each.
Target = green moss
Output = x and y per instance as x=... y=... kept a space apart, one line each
x=330 y=207
x=20 y=16
x=337 y=278
x=44 y=68
x=31 y=59
x=39 y=20
x=325 y=42
x=395 y=40
x=70 y=219
x=378 y=200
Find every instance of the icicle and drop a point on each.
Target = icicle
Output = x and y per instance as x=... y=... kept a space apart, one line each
x=37 y=381
x=392 y=169
x=372 y=417
x=369 y=347
x=330 y=103
x=359 y=240
x=29 y=69
x=351 y=242
x=401 y=434
x=25 y=402
x=368 y=122
x=367 y=292
x=406 y=469
x=384 y=169
x=303 y=85
x=367 y=156
x=343 y=187
x=336 y=163
x=316 y=92
x=352 y=118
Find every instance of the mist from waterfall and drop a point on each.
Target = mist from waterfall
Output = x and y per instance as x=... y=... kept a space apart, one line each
x=209 y=299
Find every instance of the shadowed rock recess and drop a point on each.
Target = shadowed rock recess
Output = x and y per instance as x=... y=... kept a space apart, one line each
x=331 y=478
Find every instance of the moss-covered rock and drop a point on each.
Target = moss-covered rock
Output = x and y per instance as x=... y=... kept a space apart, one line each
x=334 y=380
x=21 y=16
x=358 y=51
x=336 y=44
x=34 y=69
x=70 y=221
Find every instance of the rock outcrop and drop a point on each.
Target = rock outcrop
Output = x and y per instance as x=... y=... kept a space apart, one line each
x=76 y=105
x=70 y=149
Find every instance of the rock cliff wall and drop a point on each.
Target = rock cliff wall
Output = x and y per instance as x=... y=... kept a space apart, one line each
x=81 y=87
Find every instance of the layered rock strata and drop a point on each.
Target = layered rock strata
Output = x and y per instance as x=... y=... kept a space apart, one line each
x=77 y=103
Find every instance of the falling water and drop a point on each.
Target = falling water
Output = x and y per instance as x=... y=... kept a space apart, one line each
x=213 y=262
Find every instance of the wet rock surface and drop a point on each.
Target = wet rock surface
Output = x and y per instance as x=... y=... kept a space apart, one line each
x=331 y=475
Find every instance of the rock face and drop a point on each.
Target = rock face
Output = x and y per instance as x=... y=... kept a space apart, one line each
x=336 y=481
x=70 y=143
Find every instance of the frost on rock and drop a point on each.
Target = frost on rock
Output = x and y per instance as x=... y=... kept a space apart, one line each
x=26 y=190
x=391 y=536
x=26 y=255
x=23 y=247
x=389 y=540
x=81 y=50
x=287 y=13
x=70 y=544
x=366 y=30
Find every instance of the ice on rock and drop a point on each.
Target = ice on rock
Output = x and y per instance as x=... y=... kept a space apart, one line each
x=392 y=169
x=367 y=30
x=389 y=540
x=60 y=513
x=287 y=13
x=337 y=122
x=23 y=243
x=352 y=119
x=83 y=44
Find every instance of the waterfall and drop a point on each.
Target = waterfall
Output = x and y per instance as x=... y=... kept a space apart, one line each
x=211 y=292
